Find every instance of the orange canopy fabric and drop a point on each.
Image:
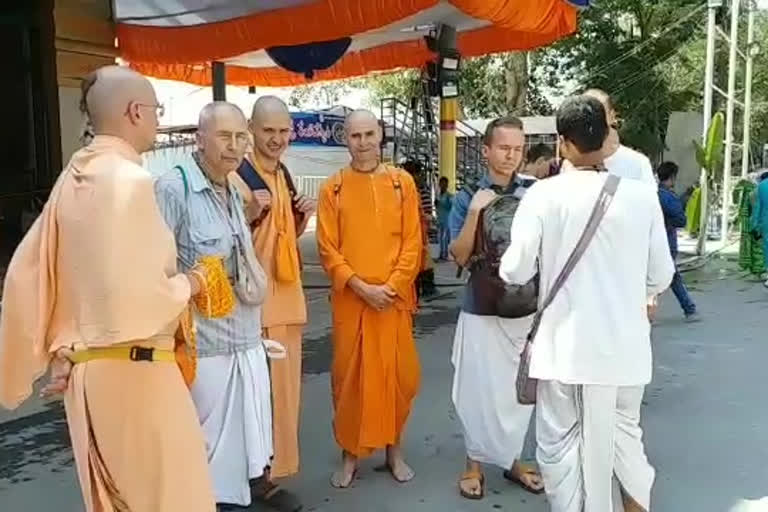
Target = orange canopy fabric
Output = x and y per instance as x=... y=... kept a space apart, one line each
x=383 y=37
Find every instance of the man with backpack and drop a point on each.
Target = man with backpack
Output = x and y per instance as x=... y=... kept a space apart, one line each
x=278 y=214
x=490 y=335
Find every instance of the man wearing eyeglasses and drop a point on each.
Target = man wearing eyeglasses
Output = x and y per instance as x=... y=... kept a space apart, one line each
x=232 y=387
x=93 y=294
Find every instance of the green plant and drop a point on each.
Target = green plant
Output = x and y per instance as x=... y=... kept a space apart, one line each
x=710 y=158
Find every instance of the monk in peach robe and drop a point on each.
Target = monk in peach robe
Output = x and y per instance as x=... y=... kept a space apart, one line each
x=278 y=215
x=96 y=274
x=369 y=239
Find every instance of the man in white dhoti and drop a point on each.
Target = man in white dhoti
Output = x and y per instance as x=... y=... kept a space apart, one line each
x=618 y=159
x=592 y=351
x=622 y=161
x=486 y=350
x=232 y=388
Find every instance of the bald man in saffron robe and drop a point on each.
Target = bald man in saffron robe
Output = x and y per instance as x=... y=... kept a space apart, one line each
x=93 y=293
x=278 y=215
x=369 y=240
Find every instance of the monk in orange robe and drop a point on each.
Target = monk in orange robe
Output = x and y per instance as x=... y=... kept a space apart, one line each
x=278 y=216
x=369 y=240
x=94 y=295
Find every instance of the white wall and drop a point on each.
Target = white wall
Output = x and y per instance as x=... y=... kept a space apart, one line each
x=70 y=121
x=682 y=129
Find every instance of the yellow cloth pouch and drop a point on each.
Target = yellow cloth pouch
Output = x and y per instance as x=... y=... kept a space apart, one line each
x=216 y=298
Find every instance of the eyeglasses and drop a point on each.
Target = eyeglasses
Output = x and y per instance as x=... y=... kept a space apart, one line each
x=160 y=108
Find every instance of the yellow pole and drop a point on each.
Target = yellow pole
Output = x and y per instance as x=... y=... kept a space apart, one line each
x=449 y=108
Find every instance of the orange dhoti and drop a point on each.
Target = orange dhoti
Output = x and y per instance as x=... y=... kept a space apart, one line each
x=286 y=399
x=375 y=374
x=368 y=228
x=135 y=437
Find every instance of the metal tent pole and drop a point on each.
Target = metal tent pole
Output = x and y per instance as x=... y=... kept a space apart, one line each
x=730 y=107
x=219 y=72
x=748 y=90
x=709 y=82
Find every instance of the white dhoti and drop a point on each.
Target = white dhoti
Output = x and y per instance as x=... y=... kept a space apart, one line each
x=233 y=400
x=590 y=443
x=486 y=356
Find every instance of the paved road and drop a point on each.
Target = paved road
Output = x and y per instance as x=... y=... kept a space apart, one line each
x=705 y=417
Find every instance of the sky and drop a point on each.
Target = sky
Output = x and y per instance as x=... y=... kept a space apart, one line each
x=183 y=101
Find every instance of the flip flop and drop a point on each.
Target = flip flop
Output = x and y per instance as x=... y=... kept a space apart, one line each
x=472 y=475
x=512 y=477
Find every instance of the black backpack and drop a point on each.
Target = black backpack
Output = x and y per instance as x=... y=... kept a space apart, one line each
x=491 y=295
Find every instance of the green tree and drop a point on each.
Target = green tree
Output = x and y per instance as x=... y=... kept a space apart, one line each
x=322 y=95
x=491 y=85
x=624 y=47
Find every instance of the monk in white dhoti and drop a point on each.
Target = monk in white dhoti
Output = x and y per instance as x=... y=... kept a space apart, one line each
x=232 y=389
x=486 y=347
x=94 y=283
x=592 y=351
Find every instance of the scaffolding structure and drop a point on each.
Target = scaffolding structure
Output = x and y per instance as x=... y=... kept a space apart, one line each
x=735 y=56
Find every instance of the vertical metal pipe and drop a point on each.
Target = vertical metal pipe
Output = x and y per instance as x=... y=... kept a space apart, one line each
x=748 y=91
x=219 y=72
x=709 y=82
x=729 y=121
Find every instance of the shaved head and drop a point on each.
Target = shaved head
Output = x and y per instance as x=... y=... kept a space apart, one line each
x=122 y=103
x=360 y=115
x=601 y=96
x=612 y=141
x=271 y=127
x=216 y=109
x=364 y=135
x=268 y=105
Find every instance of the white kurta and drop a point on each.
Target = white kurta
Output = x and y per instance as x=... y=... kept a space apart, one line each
x=596 y=429
x=592 y=351
x=233 y=400
x=486 y=356
x=630 y=164
x=596 y=330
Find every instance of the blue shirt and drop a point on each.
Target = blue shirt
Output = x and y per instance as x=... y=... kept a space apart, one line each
x=444 y=204
x=674 y=216
x=459 y=215
x=204 y=226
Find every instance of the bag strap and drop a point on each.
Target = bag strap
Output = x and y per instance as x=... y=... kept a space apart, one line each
x=598 y=212
x=184 y=179
x=293 y=191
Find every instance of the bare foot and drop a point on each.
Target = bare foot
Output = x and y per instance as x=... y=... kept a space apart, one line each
x=401 y=471
x=472 y=481
x=526 y=477
x=345 y=476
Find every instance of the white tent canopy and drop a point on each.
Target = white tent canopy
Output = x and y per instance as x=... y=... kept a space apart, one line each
x=176 y=13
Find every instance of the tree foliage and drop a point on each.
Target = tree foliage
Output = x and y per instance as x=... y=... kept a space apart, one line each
x=650 y=56
x=492 y=85
x=623 y=47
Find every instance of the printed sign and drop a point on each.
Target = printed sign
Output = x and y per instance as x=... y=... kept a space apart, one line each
x=318 y=130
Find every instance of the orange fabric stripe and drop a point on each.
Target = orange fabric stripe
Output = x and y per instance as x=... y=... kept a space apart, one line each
x=323 y=20
x=405 y=54
x=176 y=53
